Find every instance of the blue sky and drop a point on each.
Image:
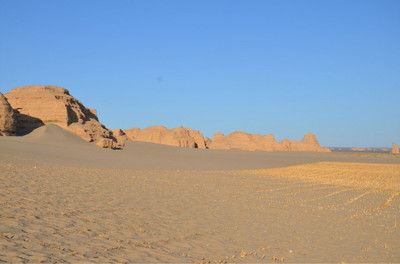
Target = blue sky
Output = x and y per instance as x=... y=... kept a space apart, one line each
x=269 y=67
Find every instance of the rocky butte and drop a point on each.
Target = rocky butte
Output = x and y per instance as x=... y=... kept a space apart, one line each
x=179 y=137
x=8 y=124
x=253 y=142
x=39 y=105
x=395 y=149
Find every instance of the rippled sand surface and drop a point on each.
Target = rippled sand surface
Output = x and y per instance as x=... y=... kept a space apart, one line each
x=322 y=212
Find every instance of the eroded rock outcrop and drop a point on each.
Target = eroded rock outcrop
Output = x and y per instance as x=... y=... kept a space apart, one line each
x=395 y=149
x=247 y=141
x=38 y=105
x=7 y=118
x=207 y=141
x=119 y=134
x=180 y=136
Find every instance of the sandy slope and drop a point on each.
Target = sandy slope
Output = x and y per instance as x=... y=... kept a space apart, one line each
x=51 y=145
x=322 y=212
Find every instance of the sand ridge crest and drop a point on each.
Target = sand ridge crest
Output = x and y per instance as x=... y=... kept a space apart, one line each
x=53 y=134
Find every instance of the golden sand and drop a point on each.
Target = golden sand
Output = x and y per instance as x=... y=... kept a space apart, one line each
x=360 y=175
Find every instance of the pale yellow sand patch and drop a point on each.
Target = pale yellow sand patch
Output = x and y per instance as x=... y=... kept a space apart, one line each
x=360 y=175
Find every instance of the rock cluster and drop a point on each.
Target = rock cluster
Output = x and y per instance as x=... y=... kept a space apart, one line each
x=7 y=118
x=180 y=136
x=247 y=141
x=395 y=149
x=39 y=105
x=187 y=138
x=29 y=107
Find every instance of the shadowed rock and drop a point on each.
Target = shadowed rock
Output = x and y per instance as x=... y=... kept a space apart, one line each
x=7 y=118
x=119 y=134
x=38 y=105
x=207 y=141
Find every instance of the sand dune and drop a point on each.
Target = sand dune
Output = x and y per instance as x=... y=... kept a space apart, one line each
x=65 y=200
x=54 y=135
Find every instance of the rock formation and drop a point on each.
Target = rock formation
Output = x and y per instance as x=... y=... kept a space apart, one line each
x=119 y=134
x=207 y=141
x=7 y=118
x=247 y=141
x=180 y=136
x=395 y=149
x=38 y=105
x=310 y=139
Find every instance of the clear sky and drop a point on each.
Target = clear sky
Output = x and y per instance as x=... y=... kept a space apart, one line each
x=269 y=67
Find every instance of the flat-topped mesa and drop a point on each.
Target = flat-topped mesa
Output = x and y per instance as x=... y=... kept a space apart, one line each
x=246 y=141
x=179 y=137
x=8 y=123
x=395 y=149
x=39 y=105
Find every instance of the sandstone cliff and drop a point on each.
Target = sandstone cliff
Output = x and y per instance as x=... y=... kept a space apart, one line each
x=180 y=136
x=247 y=141
x=38 y=105
x=7 y=118
x=395 y=149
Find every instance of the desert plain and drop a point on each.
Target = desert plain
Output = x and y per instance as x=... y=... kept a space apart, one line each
x=66 y=200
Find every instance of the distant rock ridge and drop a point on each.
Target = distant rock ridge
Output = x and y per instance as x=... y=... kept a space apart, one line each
x=29 y=107
x=8 y=123
x=395 y=149
x=179 y=137
x=188 y=138
x=38 y=105
x=252 y=142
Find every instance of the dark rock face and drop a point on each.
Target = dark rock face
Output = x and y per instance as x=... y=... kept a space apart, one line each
x=8 y=122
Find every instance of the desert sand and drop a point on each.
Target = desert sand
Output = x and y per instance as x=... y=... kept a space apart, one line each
x=64 y=199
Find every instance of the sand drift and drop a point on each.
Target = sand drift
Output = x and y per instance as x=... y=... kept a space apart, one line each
x=66 y=200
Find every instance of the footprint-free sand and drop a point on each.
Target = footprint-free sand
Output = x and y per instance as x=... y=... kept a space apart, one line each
x=65 y=200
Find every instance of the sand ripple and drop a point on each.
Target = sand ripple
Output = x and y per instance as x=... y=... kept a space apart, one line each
x=324 y=212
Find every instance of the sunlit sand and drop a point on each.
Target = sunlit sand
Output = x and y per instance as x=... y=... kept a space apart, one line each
x=319 y=212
